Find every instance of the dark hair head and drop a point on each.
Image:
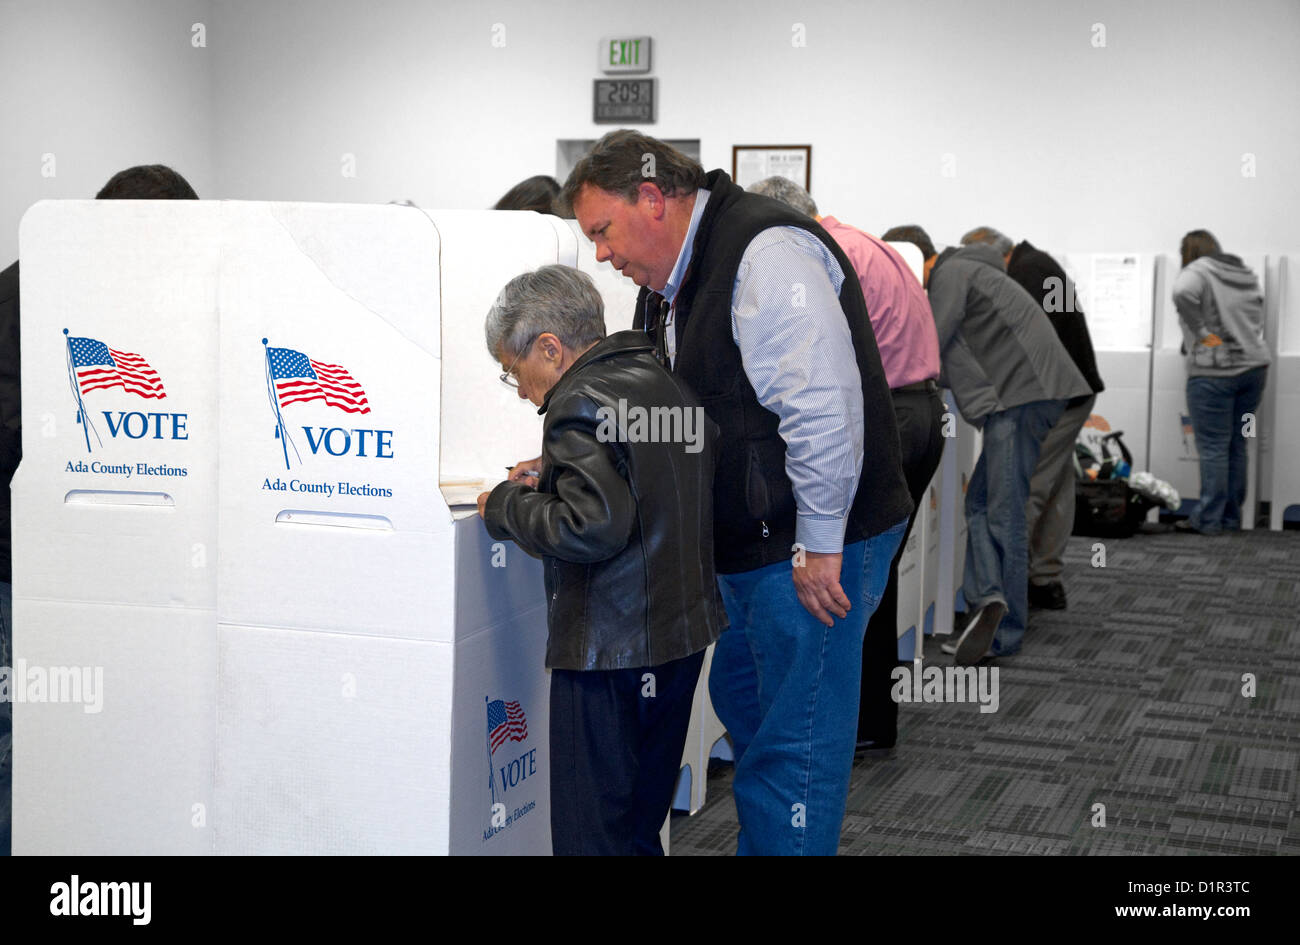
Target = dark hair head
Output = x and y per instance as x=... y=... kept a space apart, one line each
x=623 y=160
x=911 y=233
x=534 y=193
x=147 y=182
x=1199 y=243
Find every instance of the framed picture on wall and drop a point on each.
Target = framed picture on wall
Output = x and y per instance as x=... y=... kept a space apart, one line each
x=751 y=163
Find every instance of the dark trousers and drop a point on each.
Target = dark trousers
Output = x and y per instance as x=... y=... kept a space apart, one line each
x=617 y=738
x=919 y=415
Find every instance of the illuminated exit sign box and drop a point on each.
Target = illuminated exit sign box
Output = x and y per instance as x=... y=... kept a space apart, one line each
x=623 y=54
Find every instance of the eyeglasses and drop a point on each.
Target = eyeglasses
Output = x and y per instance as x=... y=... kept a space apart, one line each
x=508 y=378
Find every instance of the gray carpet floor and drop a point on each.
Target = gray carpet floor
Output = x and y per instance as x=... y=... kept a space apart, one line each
x=1131 y=698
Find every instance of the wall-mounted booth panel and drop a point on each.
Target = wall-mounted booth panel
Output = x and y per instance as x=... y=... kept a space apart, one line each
x=1115 y=291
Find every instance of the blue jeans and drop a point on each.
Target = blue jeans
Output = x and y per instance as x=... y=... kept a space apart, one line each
x=997 y=537
x=786 y=688
x=1216 y=405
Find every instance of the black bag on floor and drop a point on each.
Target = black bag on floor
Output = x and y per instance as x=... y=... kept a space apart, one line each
x=1106 y=507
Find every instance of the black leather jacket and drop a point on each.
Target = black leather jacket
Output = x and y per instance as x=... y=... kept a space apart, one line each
x=622 y=520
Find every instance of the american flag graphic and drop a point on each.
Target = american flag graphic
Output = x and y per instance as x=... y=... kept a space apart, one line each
x=299 y=378
x=98 y=366
x=505 y=720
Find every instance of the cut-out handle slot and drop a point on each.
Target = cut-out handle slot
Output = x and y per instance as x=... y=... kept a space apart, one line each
x=158 y=500
x=334 y=519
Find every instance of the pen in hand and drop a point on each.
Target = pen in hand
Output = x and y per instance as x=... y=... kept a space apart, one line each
x=527 y=472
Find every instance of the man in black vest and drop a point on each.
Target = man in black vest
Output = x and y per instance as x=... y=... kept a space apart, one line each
x=748 y=302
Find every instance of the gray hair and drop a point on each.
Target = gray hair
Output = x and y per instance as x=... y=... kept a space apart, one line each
x=786 y=191
x=556 y=299
x=989 y=237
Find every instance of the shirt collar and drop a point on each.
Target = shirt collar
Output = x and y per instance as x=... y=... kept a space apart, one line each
x=684 y=257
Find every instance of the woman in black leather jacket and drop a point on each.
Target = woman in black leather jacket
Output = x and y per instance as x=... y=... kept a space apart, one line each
x=621 y=515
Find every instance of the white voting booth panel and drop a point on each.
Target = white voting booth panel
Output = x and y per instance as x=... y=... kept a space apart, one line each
x=1115 y=292
x=136 y=480
x=912 y=256
x=1173 y=455
x=908 y=625
x=929 y=523
x=330 y=682
x=381 y=577
x=114 y=530
x=960 y=453
x=1283 y=393
x=616 y=290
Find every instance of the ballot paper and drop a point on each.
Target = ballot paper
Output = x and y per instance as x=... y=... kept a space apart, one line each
x=1114 y=302
x=460 y=492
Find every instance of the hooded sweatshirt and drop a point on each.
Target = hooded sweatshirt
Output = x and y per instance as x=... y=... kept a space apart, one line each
x=1219 y=295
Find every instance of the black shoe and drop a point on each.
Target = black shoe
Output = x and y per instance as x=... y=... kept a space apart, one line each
x=1047 y=596
x=1185 y=525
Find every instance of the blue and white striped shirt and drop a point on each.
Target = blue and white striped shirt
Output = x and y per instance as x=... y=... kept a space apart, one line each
x=798 y=355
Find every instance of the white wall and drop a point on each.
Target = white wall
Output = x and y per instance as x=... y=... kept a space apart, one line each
x=101 y=85
x=1077 y=148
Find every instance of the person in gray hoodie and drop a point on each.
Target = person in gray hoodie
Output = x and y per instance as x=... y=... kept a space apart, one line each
x=1221 y=311
x=1012 y=377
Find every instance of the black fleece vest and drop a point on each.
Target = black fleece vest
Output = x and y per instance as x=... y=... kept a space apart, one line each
x=753 y=501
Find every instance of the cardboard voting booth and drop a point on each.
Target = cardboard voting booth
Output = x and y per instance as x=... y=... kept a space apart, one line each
x=1173 y=454
x=231 y=515
x=961 y=451
x=115 y=531
x=1282 y=395
x=909 y=626
x=929 y=523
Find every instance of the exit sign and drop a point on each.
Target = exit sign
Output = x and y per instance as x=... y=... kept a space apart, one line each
x=623 y=54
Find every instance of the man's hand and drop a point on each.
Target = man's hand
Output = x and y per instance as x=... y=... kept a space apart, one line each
x=817 y=582
x=527 y=471
x=482 y=503
x=1211 y=340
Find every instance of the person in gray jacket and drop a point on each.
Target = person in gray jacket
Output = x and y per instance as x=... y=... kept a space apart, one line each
x=1011 y=377
x=1221 y=311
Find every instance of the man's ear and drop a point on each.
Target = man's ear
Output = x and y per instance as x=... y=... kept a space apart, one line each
x=657 y=202
x=550 y=345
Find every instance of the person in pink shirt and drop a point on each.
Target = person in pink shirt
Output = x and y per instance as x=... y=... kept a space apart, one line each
x=909 y=352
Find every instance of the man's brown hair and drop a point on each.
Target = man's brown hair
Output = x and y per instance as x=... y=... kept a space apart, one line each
x=623 y=160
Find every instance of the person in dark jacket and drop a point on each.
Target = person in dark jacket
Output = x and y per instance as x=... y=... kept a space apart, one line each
x=622 y=516
x=1049 y=513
